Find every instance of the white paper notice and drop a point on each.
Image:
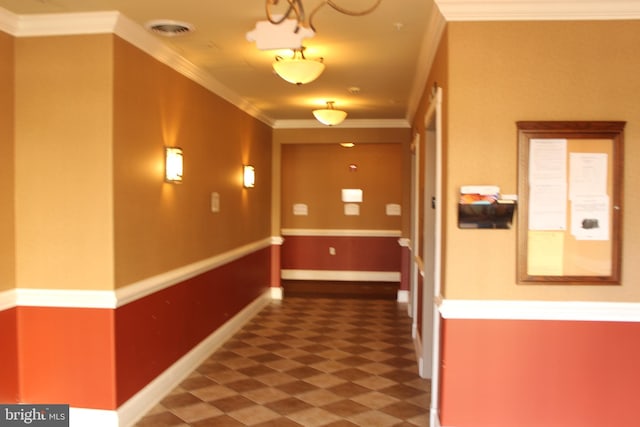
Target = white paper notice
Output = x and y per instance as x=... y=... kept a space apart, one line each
x=590 y=217
x=548 y=184
x=588 y=174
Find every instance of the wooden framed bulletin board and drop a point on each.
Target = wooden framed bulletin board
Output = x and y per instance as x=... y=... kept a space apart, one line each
x=570 y=202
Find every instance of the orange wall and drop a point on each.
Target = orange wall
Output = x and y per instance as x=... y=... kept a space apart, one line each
x=160 y=226
x=63 y=180
x=502 y=72
x=7 y=220
x=314 y=174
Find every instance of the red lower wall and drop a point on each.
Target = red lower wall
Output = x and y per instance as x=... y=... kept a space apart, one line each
x=353 y=253
x=66 y=356
x=508 y=373
x=154 y=332
x=9 y=391
x=99 y=358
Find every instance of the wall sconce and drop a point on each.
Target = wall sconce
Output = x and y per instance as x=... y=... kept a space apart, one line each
x=248 y=176
x=173 y=164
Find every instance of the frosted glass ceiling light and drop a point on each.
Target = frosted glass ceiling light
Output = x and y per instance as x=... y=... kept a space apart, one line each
x=298 y=69
x=330 y=116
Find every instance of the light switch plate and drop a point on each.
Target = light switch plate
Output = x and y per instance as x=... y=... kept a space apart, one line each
x=215 y=202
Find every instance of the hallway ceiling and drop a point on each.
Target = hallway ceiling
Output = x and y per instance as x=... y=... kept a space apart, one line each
x=374 y=63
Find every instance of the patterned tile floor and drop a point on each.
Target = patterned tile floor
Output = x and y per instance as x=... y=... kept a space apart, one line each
x=307 y=362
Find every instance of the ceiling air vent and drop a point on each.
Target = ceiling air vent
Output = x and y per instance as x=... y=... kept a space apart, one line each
x=169 y=28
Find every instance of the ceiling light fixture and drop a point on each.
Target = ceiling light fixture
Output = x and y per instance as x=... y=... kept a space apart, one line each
x=295 y=10
x=298 y=69
x=330 y=116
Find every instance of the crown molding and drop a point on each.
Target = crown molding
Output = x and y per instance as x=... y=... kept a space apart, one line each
x=8 y=21
x=113 y=22
x=349 y=123
x=538 y=10
x=57 y=24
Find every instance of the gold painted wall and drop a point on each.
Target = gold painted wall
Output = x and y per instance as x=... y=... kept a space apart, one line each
x=503 y=72
x=7 y=220
x=161 y=226
x=314 y=174
x=63 y=180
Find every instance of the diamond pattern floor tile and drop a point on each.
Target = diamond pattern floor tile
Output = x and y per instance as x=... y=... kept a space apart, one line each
x=306 y=363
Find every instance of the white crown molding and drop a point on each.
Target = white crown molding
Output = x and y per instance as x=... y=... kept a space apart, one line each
x=339 y=232
x=347 y=124
x=538 y=10
x=8 y=21
x=341 y=275
x=114 y=22
x=66 y=24
x=130 y=31
x=540 y=310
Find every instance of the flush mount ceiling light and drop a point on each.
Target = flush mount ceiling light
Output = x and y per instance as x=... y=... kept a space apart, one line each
x=330 y=116
x=298 y=69
x=295 y=10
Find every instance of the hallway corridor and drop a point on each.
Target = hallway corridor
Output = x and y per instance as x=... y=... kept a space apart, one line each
x=307 y=362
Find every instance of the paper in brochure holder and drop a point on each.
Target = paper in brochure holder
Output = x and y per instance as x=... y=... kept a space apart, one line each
x=481 y=206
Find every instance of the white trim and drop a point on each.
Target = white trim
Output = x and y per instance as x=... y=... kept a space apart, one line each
x=541 y=310
x=417 y=344
x=8 y=21
x=113 y=22
x=154 y=284
x=134 y=408
x=112 y=299
x=65 y=298
x=405 y=242
x=277 y=240
x=338 y=232
x=7 y=299
x=276 y=293
x=403 y=296
x=349 y=123
x=57 y=24
x=82 y=417
x=540 y=10
x=138 y=405
x=341 y=275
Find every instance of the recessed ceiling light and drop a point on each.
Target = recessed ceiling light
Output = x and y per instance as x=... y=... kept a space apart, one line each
x=169 y=28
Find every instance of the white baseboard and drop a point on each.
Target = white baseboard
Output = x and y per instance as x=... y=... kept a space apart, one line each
x=403 y=296
x=341 y=275
x=276 y=293
x=143 y=401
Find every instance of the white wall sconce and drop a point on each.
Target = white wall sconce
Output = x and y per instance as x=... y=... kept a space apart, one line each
x=248 y=176
x=173 y=164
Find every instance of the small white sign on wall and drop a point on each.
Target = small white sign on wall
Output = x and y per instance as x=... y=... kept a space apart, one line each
x=393 y=209
x=352 y=195
x=300 y=209
x=351 y=209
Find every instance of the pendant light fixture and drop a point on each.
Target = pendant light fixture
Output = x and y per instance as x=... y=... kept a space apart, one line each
x=298 y=69
x=330 y=116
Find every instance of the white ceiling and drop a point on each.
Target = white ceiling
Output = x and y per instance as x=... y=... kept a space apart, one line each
x=382 y=54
